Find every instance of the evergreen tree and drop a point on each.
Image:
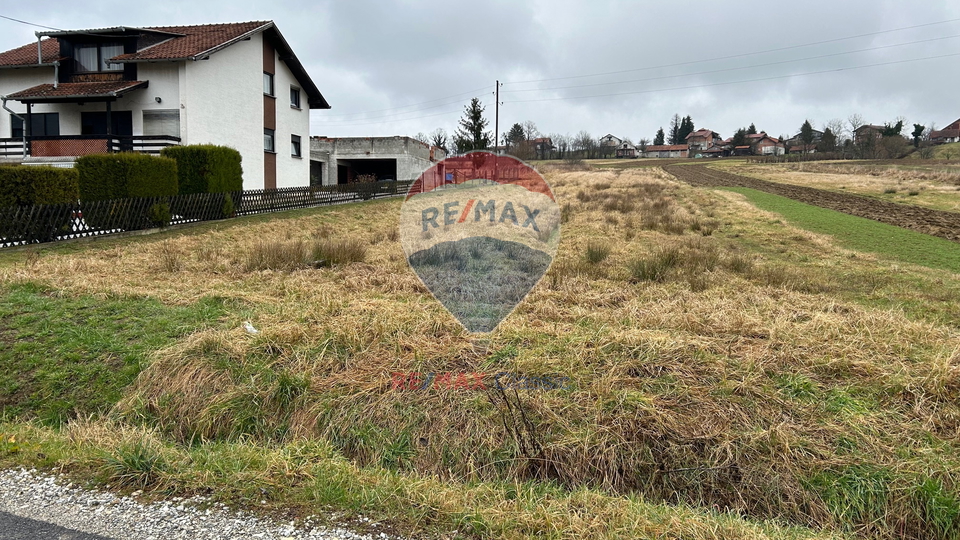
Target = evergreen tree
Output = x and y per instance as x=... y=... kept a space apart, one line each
x=806 y=134
x=739 y=138
x=659 y=138
x=674 y=129
x=828 y=143
x=515 y=136
x=918 y=130
x=892 y=130
x=752 y=130
x=686 y=128
x=472 y=134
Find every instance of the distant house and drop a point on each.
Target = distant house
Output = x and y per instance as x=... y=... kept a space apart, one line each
x=797 y=141
x=716 y=151
x=626 y=150
x=949 y=134
x=867 y=132
x=761 y=144
x=744 y=150
x=666 y=151
x=701 y=140
x=609 y=140
x=80 y=92
x=542 y=146
x=803 y=149
x=608 y=145
x=766 y=145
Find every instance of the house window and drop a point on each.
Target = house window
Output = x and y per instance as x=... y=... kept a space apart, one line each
x=162 y=122
x=93 y=58
x=268 y=145
x=268 y=83
x=40 y=124
x=295 y=146
x=295 y=97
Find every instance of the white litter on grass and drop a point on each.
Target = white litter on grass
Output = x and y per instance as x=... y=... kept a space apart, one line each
x=249 y=328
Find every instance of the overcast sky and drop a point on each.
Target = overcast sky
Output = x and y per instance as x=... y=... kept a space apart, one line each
x=422 y=61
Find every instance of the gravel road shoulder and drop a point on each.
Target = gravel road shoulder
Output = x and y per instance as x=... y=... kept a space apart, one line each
x=42 y=497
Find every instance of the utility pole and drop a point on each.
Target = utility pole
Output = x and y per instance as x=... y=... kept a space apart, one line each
x=496 y=120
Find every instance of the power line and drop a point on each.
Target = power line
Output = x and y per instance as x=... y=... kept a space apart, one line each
x=741 y=55
x=739 y=82
x=391 y=121
x=469 y=92
x=30 y=23
x=458 y=102
x=767 y=64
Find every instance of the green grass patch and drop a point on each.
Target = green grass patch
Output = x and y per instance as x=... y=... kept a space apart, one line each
x=64 y=356
x=861 y=234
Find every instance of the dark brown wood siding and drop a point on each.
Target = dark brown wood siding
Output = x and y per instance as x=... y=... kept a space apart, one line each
x=270 y=118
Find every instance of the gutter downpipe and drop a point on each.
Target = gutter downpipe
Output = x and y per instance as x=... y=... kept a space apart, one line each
x=3 y=99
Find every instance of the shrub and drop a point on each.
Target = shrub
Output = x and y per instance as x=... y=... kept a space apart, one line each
x=207 y=168
x=119 y=178
x=32 y=185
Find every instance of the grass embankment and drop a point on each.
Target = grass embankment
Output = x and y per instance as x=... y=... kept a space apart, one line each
x=717 y=358
x=862 y=234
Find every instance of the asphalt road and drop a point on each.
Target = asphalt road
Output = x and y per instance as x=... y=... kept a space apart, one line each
x=17 y=528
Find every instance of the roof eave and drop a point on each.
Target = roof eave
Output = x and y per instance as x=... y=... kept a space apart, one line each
x=314 y=98
x=206 y=54
x=22 y=66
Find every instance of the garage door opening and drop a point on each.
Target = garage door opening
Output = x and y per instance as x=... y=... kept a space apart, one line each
x=385 y=170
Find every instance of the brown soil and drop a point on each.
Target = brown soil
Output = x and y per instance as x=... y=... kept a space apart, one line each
x=928 y=221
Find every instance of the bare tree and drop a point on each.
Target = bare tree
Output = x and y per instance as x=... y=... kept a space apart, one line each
x=559 y=144
x=642 y=144
x=530 y=130
x=838 y=128
x=583 y=142
x=422 y=137
x=439 y=138
x=861 y=144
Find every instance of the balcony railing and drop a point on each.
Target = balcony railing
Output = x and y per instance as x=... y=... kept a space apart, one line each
x=82 y=145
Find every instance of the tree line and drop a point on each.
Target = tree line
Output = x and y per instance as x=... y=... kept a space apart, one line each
x=850 y=138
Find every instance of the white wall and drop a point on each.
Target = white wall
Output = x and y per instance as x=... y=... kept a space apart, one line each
x=222 y=103
x=291 y=171
x=15 y=80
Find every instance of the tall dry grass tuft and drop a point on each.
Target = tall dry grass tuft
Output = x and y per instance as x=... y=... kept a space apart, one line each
x=340 y=250
x=276 y=255
x=170 y=256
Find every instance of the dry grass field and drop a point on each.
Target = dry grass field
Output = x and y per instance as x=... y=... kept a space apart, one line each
x=732 y=376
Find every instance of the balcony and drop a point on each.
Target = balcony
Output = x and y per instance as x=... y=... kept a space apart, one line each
x=82 y=145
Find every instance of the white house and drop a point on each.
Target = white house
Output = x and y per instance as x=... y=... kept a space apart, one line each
x=77 y=92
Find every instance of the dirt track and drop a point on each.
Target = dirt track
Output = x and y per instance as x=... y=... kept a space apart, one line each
x=934 y=222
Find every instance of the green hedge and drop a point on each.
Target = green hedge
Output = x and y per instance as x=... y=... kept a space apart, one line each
x=123 y=176
x=207 y=168
x=22 y=185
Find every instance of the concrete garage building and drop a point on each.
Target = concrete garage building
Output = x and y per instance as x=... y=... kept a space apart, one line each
x=340 y=160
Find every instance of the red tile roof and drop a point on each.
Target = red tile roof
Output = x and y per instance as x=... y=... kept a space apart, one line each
x=27 y=55
x=945 y=134
x=705 y=133
x=90 y=90
x=666 y=147
x=196 y=40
